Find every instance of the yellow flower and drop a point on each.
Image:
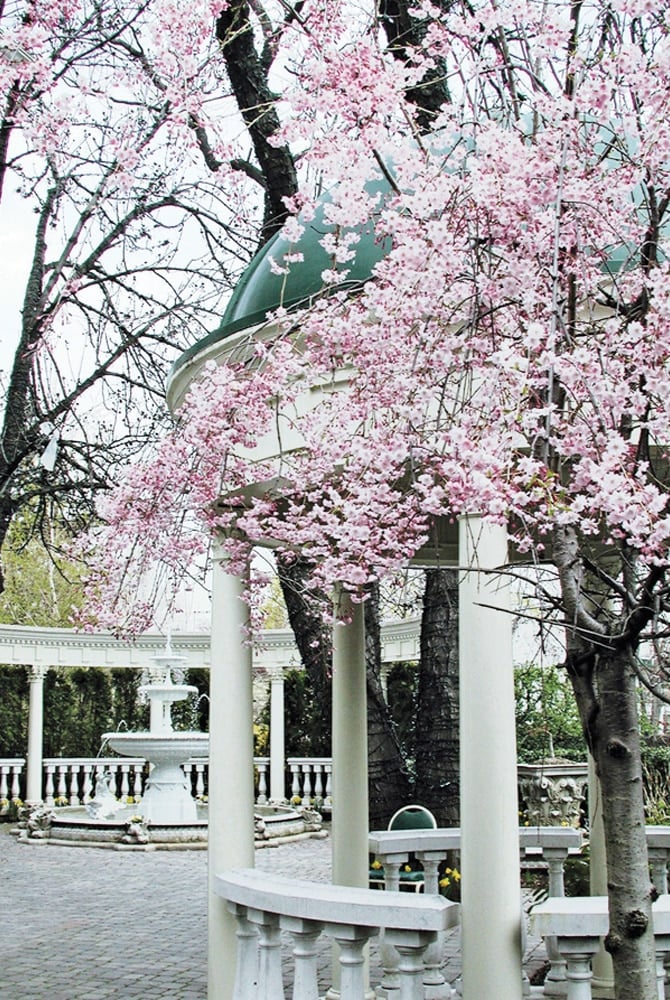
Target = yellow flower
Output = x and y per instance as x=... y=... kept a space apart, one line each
x=408 y=868
x=444 y=882
x=457 y=876
x=376 y=864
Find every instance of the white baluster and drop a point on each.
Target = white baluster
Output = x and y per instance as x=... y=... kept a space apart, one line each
x=137 y=781
x=411 y=946
x=658 y=862
x=49 y=784
x=578 y=975
x=4 y=789
x=351 y=941
x=262 y=783
x=246 y=972
x=389 y=955
x=62 y=785
x=200 y=780
x=295 y=783
x=87 y=784
x=305 y=935
x=307 y=785
x=125 y=786
x=16 y=780
x=318 y=782
x=328 y=800
x=74 y=785
x=555 y=979
x=432 y=973
x=270 y=982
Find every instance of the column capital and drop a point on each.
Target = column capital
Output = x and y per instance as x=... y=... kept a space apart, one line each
x=37 y=672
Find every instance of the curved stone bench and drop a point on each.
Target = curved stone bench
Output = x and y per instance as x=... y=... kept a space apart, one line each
x=265 y=906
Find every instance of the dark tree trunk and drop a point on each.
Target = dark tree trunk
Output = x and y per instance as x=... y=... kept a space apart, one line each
x=437 y=722
x=314 y=643
x=615 y=744
x=388 y=780
x=248 y=75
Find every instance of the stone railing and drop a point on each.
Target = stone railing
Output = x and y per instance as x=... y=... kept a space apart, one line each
x=264 y=908
x=71 y=780
x=11 y=772
x=578 y=924
x=551 y=845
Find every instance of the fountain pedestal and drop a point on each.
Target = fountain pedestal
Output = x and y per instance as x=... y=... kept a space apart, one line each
x=167 y=797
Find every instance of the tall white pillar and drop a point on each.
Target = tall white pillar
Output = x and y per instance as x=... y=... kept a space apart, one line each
x=350 y=746
x=36 y=677
x=602 y=984
x=490 y=886
x=231 y=767
x=349 y=830
x=277 y=741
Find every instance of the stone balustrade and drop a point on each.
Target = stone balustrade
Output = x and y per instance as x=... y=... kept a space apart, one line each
x=311 y=781
x=308 y=910
x=393 y=848
x=11 y=771
x=71 y=780
x=579 y=923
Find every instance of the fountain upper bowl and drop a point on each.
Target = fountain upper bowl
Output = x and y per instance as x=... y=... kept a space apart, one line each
x=168 y=747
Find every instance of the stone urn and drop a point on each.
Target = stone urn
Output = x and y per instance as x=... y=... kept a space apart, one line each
x=552 y=791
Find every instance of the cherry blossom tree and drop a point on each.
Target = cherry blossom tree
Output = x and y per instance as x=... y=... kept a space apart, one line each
x=115 y=141
x=509 y=357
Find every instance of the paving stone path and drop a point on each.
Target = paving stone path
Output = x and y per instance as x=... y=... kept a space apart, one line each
x=95 y=924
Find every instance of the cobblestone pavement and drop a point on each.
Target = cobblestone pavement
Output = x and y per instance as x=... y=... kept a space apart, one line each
x=94 y=924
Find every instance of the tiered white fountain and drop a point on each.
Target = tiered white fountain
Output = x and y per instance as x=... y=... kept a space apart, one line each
x=167 y=797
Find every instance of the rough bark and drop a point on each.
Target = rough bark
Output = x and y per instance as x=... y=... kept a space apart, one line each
x=387 y=776
x=248 y=75
x=437 y=724
x=388 y=780
x=601 y=650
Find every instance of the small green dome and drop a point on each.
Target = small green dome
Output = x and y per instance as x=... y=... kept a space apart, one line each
x=261 y=289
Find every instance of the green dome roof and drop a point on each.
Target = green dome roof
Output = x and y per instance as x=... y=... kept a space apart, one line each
x=261 y=290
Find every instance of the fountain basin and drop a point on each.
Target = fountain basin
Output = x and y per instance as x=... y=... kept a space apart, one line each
x=72 y=826
x=167 y=797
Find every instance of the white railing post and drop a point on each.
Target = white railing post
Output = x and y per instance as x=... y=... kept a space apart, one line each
x=49 y=784
x=262 y=797
x=351 y=941
x=138 y=770
x=307 y=784
x=295 y=781
x=270 y=982
x=246 y=972
x=74 y=785
x=305 y=935
x=328 y=800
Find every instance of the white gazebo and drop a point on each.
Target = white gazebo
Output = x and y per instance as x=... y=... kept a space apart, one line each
x=490 y=913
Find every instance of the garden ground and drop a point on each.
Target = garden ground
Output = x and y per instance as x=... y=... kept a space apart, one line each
x=95 y=924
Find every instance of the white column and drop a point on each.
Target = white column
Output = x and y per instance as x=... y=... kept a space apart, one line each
x=36 y=677
x=349 y=828
x=277 y=743
x=602 y=984
x=490 y=889
x=350 y=746
x=231 y=767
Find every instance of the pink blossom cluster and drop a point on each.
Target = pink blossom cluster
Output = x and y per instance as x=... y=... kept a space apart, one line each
x=509 y=356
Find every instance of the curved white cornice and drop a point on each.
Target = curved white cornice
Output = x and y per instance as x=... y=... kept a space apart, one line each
x=63 y=647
